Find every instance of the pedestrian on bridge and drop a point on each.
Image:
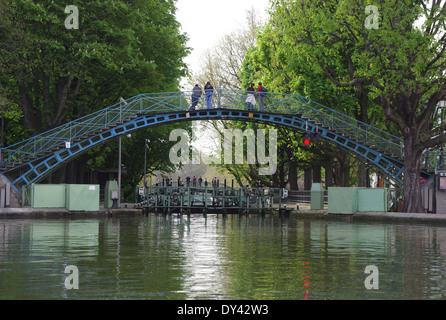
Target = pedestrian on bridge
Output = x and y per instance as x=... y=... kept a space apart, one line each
x=251 y=99
x=209 y=90
x=196 y=94
x=261 y=92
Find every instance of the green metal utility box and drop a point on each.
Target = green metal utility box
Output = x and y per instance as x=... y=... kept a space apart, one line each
x=82 y=197
x=47 y=195
x=373 y=199
x=317 y=197
x=342 y=200
x=110 y=192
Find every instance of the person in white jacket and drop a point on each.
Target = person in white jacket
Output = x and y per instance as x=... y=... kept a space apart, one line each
x=251 y=99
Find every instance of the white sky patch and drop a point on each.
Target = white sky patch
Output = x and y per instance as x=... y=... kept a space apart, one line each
x=207 y=21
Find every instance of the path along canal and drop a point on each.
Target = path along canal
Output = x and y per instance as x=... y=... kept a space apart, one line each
x=221 y=257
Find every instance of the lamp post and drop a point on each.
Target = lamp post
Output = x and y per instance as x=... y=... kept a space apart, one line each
x=146 y=145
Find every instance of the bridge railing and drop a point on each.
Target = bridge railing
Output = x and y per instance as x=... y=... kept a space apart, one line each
x=154 y=103
x=433 y=160
x=297 y=105
x=351 y=127
x=213 y=197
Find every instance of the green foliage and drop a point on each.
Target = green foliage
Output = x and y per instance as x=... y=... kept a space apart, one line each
x=13 y=119
x=404 y=55
x=51 y=74
x=120 y=49
x=394 y=71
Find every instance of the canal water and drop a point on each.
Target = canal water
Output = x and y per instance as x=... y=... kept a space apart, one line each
x=220 y=257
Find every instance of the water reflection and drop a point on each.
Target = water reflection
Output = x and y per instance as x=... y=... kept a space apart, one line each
x=219 y=257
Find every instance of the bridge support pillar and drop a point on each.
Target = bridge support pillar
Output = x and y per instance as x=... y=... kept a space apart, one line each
x=11 y=198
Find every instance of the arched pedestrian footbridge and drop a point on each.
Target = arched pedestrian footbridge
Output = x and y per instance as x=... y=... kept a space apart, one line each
x=31 y=160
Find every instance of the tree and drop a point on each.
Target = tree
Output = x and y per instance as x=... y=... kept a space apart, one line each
x=400 y=65
x=120 y=49
x=51 y=74
x=285 y=69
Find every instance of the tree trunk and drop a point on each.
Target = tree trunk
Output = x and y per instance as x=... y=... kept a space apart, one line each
x=329 y=172
x=411 y=186
x=317 y=174
x=293 y=175
x=345 y=173
x=307 y=178
x=281 y=170
x=363 y=175
x=342 y=170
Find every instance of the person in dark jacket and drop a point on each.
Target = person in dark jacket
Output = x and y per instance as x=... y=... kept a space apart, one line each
x=261 y=97
x=196 y=94
x=209 y=90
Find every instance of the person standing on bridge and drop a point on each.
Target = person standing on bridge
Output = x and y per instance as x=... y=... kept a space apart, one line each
x=261 y=94
x=196 y=94
x=209 y=90
x=251 y=99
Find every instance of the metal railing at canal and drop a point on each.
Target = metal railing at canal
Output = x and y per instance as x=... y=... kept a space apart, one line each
x=174 y=199
x=162 y=199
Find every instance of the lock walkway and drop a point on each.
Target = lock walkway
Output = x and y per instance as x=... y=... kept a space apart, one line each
x=174 y=199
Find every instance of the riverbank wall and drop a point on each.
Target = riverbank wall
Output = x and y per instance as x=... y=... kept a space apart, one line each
x=384 y=217
x=64 y=213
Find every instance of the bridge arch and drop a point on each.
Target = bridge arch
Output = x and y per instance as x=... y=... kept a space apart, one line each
x=25 y=166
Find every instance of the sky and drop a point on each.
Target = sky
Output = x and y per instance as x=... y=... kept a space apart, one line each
x=206 y=21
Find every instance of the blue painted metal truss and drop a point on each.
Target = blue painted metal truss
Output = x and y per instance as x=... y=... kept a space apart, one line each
x=33 y=159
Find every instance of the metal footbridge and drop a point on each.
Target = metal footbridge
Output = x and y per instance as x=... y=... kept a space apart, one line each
x=31 y=160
